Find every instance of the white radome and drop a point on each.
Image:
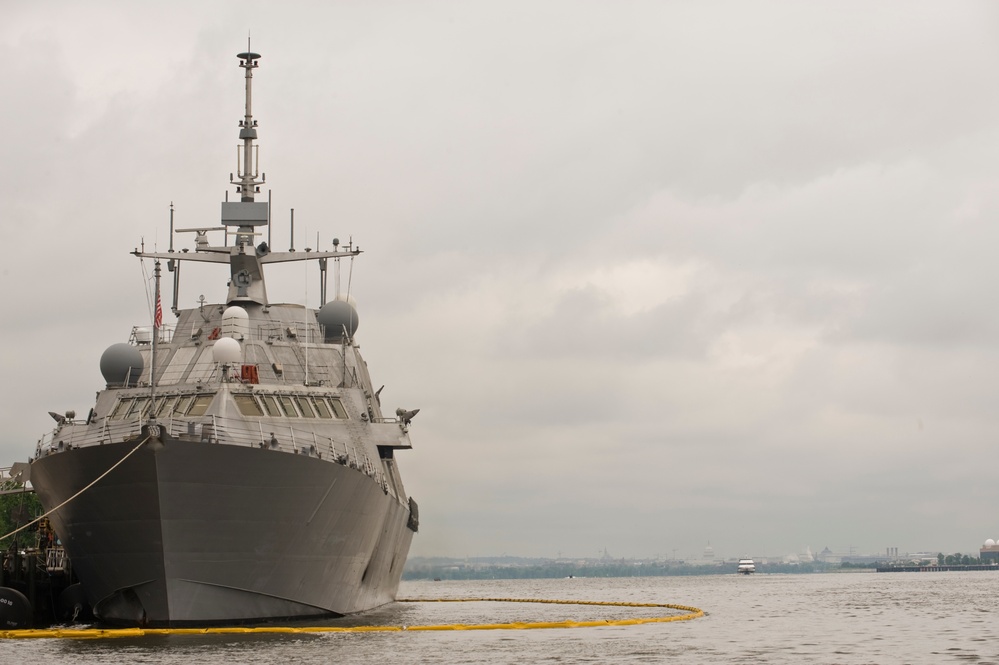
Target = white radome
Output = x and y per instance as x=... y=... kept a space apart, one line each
x=235 y=323
x=227 y=351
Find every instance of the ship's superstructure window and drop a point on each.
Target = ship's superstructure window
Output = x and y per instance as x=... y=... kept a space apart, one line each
x=200 y=405
x=167 y=406
x=271 y=407
x=305 y=407
x=120 y=409
x=164 y=406
x=247 y=405
x=290 y=406
x=182 y=405
x=338 y=409
x=138 y=408
x=321 y=408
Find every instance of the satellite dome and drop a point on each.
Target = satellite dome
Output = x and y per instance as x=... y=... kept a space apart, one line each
x=121 y=365
x=227 y=351
x=989 y=542
x=336 y=316
x=235 y=322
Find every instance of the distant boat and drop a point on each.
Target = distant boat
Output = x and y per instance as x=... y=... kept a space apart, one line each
x=746 y=566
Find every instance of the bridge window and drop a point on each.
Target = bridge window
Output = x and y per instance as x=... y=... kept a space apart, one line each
x=200 y=405
x=271 y=407
x=164 y=405
x=121 y=408
x=247 y=405
x=138 y=408
x=289 y=406
x=320 y=404
x=169 y=406
x=182 y=405
x=305 y=407
x=338 y=409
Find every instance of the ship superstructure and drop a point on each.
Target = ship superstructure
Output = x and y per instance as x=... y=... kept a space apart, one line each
x=237 y=467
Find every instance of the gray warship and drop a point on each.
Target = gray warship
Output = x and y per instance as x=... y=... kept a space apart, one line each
x=238 y=467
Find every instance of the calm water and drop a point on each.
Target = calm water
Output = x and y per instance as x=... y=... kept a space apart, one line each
x=830 y=618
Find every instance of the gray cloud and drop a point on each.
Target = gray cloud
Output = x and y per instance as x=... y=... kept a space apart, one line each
x=657 y=274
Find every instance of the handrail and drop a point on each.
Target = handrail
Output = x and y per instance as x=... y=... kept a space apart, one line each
x=217 y=430
x=299 y=331
x=335 y=371
x=7 y=483
x=143 y=335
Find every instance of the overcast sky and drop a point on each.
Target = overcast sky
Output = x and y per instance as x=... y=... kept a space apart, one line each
x=658 y=274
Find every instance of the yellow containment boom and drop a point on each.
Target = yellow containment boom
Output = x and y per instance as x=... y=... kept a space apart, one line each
x=96 y=633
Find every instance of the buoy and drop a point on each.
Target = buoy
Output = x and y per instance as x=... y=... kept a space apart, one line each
x=15 y=610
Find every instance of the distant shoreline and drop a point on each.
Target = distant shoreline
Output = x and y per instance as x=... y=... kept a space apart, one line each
x=934 y=569
x=508 y=569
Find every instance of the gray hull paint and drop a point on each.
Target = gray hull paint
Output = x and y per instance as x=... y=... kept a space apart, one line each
x=200 y=533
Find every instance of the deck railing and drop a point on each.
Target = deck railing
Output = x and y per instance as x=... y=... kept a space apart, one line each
x=217 y=430
x=300 y=331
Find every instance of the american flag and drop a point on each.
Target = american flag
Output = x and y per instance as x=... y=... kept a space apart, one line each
x=158 y=318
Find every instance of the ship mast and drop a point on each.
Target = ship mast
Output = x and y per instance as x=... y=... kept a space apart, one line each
x=247 y=283
x=248 y=184
x=246 y=216
x=157 y=325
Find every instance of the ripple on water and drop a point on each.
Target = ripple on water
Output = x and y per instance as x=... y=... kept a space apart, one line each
x=846 y=619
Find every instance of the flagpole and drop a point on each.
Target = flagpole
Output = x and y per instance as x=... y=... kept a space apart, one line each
x=157 y=324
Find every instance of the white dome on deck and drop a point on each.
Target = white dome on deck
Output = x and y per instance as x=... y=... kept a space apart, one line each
x=235 y=323
x=227 y=351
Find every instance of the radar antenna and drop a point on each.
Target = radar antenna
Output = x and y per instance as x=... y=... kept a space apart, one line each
x=247 y=162
x=242 y=219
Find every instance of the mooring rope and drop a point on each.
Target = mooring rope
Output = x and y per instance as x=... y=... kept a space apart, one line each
x=96 y=480
x=95 y=633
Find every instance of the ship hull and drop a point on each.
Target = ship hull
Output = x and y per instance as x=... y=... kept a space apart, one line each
x=193 y=533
